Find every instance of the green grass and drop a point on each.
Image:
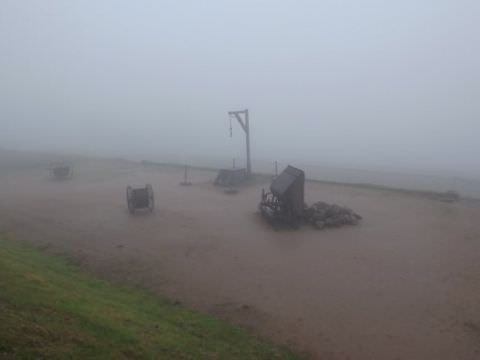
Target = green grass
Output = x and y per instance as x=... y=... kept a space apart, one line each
x=50 y=309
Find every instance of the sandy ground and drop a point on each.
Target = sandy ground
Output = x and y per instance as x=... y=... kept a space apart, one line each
x=405 y=284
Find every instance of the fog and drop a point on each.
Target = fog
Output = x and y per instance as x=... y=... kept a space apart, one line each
x=364 y=84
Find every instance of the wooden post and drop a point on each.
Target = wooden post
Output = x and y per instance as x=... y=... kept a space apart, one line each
x=245 y=124
x=247 y=131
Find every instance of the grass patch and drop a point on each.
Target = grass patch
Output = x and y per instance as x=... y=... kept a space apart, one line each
x=50 y=309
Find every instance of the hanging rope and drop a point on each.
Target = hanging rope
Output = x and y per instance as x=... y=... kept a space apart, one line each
x=231 y=129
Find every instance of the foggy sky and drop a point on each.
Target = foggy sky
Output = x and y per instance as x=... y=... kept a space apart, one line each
x=352 y=83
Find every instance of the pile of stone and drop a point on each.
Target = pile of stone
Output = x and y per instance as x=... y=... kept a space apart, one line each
x=322 y=215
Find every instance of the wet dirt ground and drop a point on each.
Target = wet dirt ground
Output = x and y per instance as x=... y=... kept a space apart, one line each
x=405 y=284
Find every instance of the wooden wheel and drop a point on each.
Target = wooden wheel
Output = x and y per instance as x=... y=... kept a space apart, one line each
x=130 y=204
x=151 y=199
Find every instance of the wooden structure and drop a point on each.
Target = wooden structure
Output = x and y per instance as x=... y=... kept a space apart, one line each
x=140 y=198
x=285 y=203
x=244 y=121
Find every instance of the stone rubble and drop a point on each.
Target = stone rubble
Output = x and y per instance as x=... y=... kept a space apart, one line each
x=322 y=215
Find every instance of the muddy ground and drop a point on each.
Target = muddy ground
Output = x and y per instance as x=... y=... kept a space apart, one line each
x=405 y=284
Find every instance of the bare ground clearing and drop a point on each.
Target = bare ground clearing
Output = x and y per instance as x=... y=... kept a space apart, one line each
x=405 y=284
